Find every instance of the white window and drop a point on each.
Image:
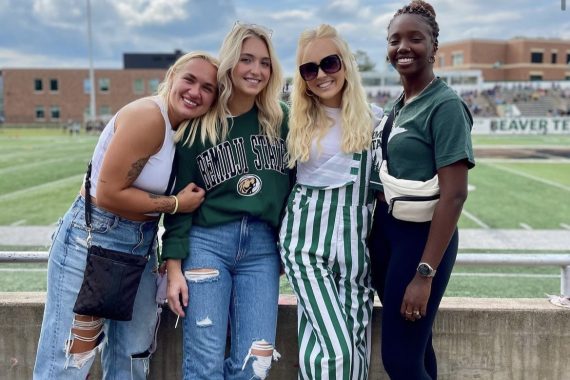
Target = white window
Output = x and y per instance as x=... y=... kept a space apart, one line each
x=456 y=59
x=40 y=113
x=104 y=84
x=55 y=113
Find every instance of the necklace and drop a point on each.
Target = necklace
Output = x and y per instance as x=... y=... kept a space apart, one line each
x=406 y=101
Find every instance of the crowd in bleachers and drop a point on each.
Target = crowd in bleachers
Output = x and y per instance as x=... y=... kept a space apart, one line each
x=505 y=100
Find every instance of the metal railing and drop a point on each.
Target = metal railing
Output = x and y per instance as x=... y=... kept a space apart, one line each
x=523 y=259
x=507 y=259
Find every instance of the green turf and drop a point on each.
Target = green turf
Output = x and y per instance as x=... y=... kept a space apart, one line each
x=521 y=140
x=505 y=200
x=556 y=172
x=502 y=287
x=41 y=171
x=23 y=282
x=492 y=285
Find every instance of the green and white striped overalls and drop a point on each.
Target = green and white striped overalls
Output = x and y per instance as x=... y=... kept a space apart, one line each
x=326 y=261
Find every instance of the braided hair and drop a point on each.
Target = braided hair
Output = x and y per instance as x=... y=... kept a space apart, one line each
x=425 y=11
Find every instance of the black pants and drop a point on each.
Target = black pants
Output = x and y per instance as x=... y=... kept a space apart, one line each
x=396 y=248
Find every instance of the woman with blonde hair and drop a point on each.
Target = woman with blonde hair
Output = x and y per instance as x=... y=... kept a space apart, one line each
x=327 y=215
x=130 y=173
x=222 y=260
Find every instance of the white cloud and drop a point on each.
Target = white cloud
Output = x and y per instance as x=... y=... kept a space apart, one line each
x=63 y=14
x=344 y=6
x=17 y=59
x=151 y=12
x=293 y=14
x=48 y=33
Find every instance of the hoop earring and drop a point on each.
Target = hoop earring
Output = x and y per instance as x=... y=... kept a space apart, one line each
x=431 y=59
x=309 y=93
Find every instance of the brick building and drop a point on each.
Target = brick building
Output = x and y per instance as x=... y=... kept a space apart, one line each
x=517 y=59
x=58 y=95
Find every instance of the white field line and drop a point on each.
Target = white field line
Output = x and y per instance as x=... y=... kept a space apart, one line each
x=565 y=226
x=534 y=178
x=18 y=223
x=513 y=275
x=522 y=146
x=43 y=186
x=29 y=165
x=557 y=160
x=478 y=221
x=26 y=153
x=525 y=226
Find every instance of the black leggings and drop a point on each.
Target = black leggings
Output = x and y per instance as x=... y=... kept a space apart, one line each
x=396 y=248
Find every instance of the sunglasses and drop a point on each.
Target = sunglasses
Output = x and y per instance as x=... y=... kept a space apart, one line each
x=256 y=27
x=330 y=64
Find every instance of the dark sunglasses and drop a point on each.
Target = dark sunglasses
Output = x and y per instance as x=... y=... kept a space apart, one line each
x=330 y=64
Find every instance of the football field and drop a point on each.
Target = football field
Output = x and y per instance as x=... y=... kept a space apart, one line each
x=520 y=183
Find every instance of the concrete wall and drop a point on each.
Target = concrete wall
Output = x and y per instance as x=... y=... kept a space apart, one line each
x=495 y=339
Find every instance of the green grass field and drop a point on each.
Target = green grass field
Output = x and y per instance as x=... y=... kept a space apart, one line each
x=41 y=171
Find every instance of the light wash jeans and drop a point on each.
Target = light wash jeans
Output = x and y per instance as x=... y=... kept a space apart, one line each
x=126 y=346
x=242 y=288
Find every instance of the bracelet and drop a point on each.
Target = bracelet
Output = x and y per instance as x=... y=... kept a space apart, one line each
x=175 y=204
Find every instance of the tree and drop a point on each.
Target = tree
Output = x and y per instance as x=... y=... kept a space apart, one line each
x=363 y=60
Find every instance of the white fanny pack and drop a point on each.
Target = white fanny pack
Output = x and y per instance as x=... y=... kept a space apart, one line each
x=408 y=200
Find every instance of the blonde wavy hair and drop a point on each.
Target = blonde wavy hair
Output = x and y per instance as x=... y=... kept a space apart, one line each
x=270 y=113
x=308 y=120
x=163 y=91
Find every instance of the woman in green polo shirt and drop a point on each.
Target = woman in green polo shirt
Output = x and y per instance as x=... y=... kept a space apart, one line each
x=431 y=134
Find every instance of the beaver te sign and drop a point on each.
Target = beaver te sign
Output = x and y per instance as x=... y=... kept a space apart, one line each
x=522 y=125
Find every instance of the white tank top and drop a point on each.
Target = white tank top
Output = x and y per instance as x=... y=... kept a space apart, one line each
x=155 y=174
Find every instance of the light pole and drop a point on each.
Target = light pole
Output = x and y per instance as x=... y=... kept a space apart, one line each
x=92 y=112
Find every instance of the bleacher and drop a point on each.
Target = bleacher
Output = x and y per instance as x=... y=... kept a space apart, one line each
x=503 y=100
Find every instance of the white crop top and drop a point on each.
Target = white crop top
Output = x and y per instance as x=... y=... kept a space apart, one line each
x=155 y=174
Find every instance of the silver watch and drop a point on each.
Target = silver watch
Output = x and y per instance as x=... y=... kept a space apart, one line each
x=425 y=270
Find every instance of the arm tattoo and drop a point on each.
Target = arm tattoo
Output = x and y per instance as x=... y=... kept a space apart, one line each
x=136 y=169
x=164 y=203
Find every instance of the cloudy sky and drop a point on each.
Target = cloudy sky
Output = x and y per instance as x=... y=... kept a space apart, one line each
x=53 y=33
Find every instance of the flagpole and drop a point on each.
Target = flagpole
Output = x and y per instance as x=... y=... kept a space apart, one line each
x=92 y=112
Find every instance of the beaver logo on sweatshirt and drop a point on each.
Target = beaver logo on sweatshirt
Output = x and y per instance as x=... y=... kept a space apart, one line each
x=249 y=185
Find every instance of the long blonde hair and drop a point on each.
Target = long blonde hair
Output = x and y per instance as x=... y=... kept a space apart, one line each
x=163 y=91
x=270 y=113
x=308 y=120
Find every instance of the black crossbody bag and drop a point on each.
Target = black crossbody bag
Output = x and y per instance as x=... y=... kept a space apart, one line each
x=111 y=278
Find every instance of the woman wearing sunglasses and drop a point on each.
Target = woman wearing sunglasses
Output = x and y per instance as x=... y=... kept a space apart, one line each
x=327 y=215
x=222 y=260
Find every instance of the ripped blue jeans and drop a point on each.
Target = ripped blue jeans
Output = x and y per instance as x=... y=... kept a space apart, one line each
x=125 y=346
x=232 y=273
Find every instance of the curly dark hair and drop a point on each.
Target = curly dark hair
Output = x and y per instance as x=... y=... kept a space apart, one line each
x=424 y=10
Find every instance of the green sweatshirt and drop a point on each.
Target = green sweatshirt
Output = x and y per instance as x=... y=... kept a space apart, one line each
x=244 y=175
